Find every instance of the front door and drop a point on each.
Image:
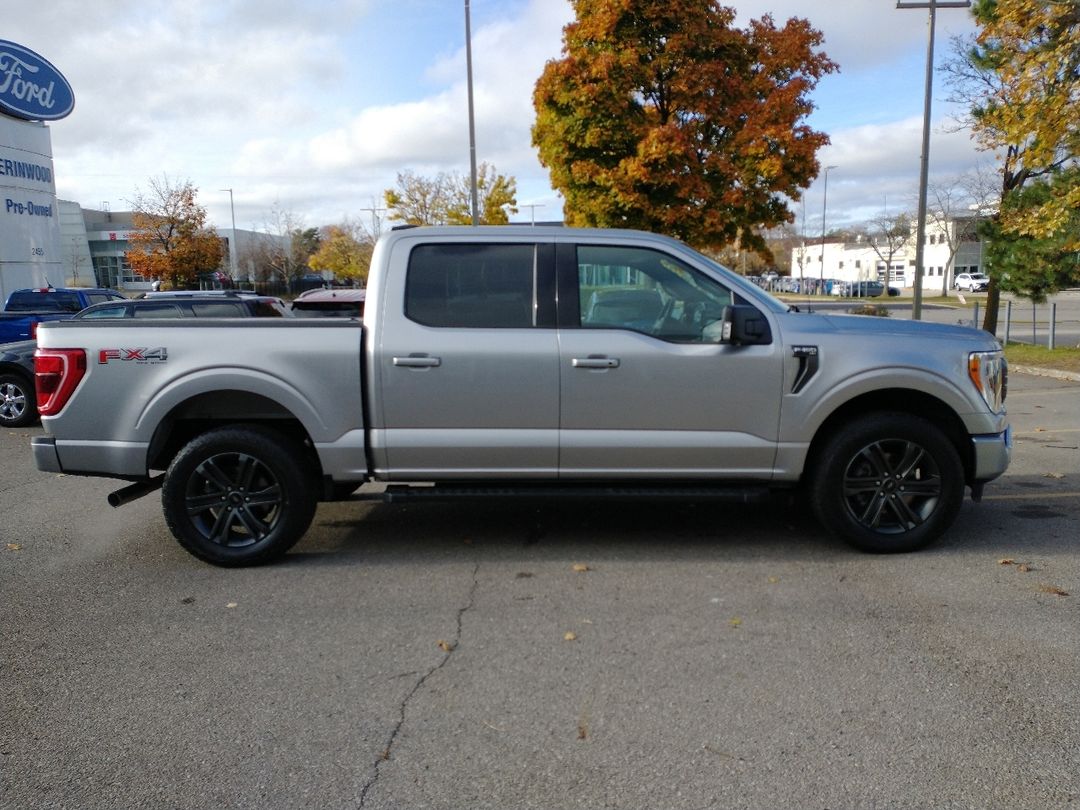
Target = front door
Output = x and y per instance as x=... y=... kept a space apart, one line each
x=647 y=392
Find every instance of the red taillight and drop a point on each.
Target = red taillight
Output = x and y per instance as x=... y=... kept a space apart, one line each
x=57 y=373
x=33 y=330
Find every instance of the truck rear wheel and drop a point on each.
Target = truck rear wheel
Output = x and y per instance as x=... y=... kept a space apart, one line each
x=239 y=495
x=887 y=483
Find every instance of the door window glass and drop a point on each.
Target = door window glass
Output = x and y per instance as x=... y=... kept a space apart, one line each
x=647 y=291
x=472 y=286
x=157 y=311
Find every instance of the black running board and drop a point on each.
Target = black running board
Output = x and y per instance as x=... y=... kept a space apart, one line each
x=444 y=492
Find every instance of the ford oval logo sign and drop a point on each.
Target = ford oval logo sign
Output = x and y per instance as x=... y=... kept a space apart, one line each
x=30 y=87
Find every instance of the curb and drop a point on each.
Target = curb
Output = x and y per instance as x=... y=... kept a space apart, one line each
x=1071 y=376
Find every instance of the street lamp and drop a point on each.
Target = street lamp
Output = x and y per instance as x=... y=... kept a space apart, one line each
x=232 y=241
x=824 y=208
x=924 y=164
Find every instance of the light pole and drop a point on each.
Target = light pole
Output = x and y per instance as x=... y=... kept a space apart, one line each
x=824 y=208
x=472 y=120
x=924 y=164
x=232 y=242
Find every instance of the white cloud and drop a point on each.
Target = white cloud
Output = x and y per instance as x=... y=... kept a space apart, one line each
x=268 y=98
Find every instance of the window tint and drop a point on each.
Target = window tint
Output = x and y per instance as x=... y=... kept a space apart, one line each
x=156 y=311
x=477 y=286
x=647 y=291
x=94 y=298
x=266 y=309
x=216 y=309
x=43 y=302
x=115 y=311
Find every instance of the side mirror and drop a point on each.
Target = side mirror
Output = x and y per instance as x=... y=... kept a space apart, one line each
x=743 y=325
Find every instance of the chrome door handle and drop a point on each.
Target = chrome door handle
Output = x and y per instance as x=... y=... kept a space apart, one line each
x=595 y=362
x=418 y=361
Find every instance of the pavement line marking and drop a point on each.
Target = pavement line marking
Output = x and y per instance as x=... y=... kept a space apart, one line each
x=1032 y=497
x=1040 y=393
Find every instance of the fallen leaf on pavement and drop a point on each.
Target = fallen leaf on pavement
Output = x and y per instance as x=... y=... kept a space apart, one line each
x=1053 y=589
x=581 y=568
x=1023 y=568
x=570 y=635
x=1006 y=561
x=1053 y=475
x=735 y=622
x=232 y=605
x=445 y=646
x=14 y=547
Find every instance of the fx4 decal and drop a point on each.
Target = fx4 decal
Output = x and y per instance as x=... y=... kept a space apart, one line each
x=139 y=355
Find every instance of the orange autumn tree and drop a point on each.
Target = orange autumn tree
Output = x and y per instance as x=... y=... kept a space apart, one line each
x=662 y=115
x=171 y=241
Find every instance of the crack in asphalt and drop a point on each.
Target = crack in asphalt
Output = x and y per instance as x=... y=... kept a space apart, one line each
x=449 y=651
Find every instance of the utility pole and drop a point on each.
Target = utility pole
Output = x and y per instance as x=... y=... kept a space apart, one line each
x=824 y=208
x=532 y=211
x=376 y=228
x=233 y=240
x=924 y=164
x=472 y=119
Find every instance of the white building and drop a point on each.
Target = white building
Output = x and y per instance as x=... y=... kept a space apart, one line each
x=859 y=260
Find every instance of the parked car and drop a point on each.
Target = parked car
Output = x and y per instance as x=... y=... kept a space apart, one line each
x=18 y=404
x=191 y=306
x=25 y=309
x=330 y=303
x=971 y=282
x=859 y=289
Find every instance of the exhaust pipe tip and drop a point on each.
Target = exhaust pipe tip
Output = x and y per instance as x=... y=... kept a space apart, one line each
x=135 y=491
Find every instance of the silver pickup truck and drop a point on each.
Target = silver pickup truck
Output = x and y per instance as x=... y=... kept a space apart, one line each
x=532 y=362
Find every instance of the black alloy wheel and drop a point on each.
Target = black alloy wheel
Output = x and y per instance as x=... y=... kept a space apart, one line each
x=888 y=482
x=239 y=495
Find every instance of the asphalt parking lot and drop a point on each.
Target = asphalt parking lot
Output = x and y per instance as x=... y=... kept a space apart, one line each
x=519 y=656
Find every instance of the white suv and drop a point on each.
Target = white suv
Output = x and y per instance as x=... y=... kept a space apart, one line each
x=972 y=282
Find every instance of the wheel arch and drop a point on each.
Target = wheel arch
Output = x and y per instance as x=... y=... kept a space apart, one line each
x=896 y=400
x=205 y=411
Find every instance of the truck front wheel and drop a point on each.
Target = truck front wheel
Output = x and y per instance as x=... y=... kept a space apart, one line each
x=239 y=495
x=887 y=483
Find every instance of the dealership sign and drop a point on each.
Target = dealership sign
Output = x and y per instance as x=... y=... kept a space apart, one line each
x=30 y=87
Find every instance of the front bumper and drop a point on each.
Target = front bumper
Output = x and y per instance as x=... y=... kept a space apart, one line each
x=992 y=453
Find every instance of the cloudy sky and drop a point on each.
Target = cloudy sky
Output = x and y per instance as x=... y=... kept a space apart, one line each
x=313 y=107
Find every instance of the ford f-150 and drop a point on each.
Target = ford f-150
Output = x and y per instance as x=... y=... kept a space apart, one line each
x=534 y=362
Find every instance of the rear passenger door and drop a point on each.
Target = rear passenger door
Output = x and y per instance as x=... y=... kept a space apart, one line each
x=467 y=362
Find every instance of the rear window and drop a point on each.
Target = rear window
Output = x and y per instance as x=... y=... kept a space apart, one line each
x=472 y=286
x=329 y=309
x=267 y=309
x=43 y=302
x=96 y=298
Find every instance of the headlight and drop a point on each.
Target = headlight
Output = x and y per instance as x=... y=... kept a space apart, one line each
x=990 y=373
